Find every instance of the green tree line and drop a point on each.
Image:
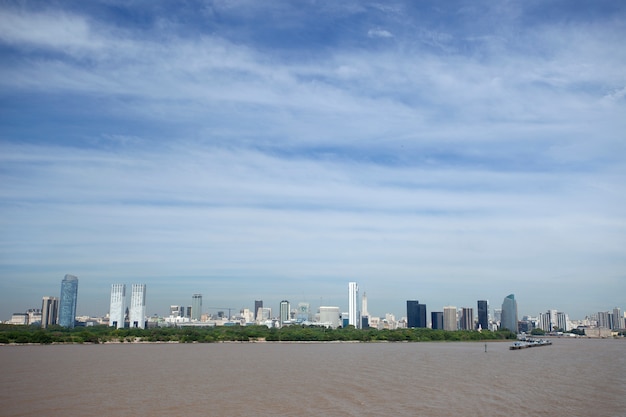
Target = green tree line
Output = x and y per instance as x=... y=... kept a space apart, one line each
x=104 y=334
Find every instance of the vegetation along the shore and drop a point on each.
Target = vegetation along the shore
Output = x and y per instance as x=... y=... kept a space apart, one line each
x=105 y=334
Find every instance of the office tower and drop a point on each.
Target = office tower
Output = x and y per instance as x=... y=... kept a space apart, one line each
x=562 y=321
x=330 y=316
x=416 y=314
x=605 y=319
x=467 y=318
x=284 y=311
x=49 y=311
x=509 y=313
x=117 y=308
x=449 y=318
x=196 y=307
x=67 y=304
x=257 y=305
x=618 y=319
x=364 y=311
x=353 y=304
x=483 y=314
x=436 y=318
x=137 y=315
x=412 y=313
x=187 y=311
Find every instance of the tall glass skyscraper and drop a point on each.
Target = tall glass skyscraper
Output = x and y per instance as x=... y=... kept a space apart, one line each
x=483 y=314
x=67 y=304
x=137 y=313
x=415 y=314
x=257 y=305
x=117 y=309
x=353 y=307
x=509 y=313
x=196 y=307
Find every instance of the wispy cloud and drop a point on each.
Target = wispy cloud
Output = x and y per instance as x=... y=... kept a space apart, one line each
x=465 y=157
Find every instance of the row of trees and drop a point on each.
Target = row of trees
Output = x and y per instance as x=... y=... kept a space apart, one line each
x=103 y=334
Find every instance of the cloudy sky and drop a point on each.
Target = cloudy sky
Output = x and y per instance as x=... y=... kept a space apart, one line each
x=445 y=152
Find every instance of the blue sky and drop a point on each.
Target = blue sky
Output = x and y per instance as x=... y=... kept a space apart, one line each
x=445 y=152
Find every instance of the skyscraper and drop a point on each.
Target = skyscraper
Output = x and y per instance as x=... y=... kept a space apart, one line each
x=364 y=311
x=196 y=307
x=257 y=305
x=284 y=311
x=353 y=307
x=117 y=309
x=137 y=314
x=67 y=305
x=415 y=314
x=49 y=311
x=483 y=314
x=365 y=316
x=436 y=318
x=509 y=313
x=618 y=319
x=449 y=318
x=467 y=318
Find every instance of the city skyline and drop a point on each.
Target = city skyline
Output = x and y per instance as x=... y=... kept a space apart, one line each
x=442 y=152
x=357 y=314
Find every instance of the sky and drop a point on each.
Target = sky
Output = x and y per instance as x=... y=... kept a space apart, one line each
x=439 y=151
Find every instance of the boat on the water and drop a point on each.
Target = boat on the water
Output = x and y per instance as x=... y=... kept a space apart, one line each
x=528 y=343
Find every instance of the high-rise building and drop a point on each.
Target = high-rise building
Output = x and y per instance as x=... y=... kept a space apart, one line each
x=137 y=314
x=467 y=318
x=196 y=307
x=548 y=321
x=67 y=304
x=365 y=316
x=49 y=311
x=436 y=318
x=353 y=304
x=449 y=318
x=257 y=305
x=605 y=319
x=415 y=314
x=509 y=313
x=618 y=319
x=330 y=316
x=562 y=321
x=483 y=314
x=117 y=309
x=285 y=310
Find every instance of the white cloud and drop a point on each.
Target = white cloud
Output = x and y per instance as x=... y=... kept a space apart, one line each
x=406 y=164
x=52 y=29
x=379 y=33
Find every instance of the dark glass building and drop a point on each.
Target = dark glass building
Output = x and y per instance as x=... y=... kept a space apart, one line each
x=257 y=305
x=67 y=303
x=436 y=318
x=483 y=314
x=415 y=314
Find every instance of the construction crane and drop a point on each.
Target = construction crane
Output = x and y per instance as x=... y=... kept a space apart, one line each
x=222 y=308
